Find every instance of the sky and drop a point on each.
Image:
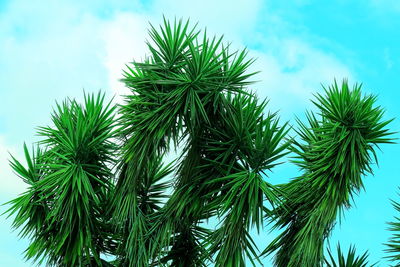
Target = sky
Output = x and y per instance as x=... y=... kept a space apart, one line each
x=50 y=50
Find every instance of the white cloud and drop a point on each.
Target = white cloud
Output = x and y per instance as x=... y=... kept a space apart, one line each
x=291 y=67
x=292 y=71
x=76 y=50
x=49 y=58
x=124 y=40
x=234 y=19
x=11 y=184
x=124 y=36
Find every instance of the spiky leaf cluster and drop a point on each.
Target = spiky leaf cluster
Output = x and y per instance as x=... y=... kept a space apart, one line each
x=393 y=245
x=98 y=185
x=189 y=92
x=63 y=209
x=336 y=151
x=349 y=260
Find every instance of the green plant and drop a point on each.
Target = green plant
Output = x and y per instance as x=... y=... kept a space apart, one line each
x=336 y=151
x=393 y=246
x=98 y=185
x=350 y=260
x=63 y=211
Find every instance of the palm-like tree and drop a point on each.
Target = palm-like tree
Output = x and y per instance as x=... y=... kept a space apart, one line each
x=98 y=184
x=336 y=151
x=63 y=211
x=190 y=92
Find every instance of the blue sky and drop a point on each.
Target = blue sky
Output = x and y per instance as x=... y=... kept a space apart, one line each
x=50 y=50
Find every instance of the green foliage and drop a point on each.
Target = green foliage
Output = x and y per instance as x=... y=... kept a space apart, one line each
x=351 y=260
x=189 y=91
x=336 y=151
x=393 y=246
x=97 y=184
x=63 y=209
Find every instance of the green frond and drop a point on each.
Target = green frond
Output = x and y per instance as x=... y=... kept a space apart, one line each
x=336 y=151
x=97 y=183
x=350 y=260
x=30 y=211
x=242 y=147
x=63 y=208
x=393 y=245
x=149 y=196
x=177 y=94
